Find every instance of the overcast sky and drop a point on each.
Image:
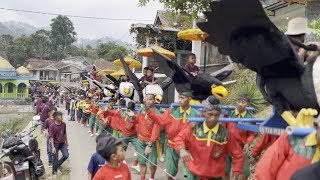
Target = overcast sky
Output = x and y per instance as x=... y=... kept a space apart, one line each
x=88 y=28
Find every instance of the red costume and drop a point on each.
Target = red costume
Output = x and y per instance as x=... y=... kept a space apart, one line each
x=264 y=142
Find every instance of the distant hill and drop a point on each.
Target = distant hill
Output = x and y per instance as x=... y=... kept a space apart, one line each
x=94 y=42
x=16 y=29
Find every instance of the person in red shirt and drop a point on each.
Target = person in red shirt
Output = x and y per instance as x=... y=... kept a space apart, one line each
x=175 y=119
x=204 y=147
x=94 y=119
x=111 y=149
x=264 y=142
x=289 y=154
x=148 y=133
x=244 y=138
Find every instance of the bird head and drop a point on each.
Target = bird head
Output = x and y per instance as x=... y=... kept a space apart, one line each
x=219 y=91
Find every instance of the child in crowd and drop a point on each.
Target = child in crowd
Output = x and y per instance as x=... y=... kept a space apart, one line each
x=190 y=66
x=59 y=141
x=96 y=161
x=47 y=123
x=150 y=79
x=111 y=149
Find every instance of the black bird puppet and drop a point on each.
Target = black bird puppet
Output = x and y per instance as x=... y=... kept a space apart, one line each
x=202 y=85
x=242 y=30
x=140 y=90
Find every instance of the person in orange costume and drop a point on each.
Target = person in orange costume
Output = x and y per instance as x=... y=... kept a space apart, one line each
x=175 y=119
x=148 y=133
x=205 y=147
x=288 y=155
x=244 y=138
x=264 y=142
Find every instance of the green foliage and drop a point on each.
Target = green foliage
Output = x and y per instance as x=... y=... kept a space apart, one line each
x=246 y=84
x=111 y=51
x=40 y=42
x=62 y=35
x=15 y=125
x=192 y=7
x=180 y=21
x=315 y=26
x=21 y=50
x=6 y=42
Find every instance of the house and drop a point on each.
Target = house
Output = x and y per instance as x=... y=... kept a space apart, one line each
x=46 y=70
x=13 y=82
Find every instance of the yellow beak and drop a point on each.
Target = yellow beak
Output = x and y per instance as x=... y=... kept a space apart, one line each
x=219 y=92
x=158 y=99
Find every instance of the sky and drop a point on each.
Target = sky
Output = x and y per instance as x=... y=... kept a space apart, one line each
x=86 y=28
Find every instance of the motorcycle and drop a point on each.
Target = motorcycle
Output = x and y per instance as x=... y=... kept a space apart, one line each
x=22 y=149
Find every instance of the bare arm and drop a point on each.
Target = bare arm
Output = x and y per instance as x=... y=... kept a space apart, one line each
x=89 y=175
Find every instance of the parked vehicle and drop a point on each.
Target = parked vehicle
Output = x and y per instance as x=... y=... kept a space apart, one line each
x=23 y=151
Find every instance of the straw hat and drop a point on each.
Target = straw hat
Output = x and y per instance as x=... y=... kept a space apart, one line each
x=298 y=26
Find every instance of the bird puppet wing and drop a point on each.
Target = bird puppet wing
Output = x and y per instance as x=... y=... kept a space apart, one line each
x=242 y=30
x=134 y=80
x=181 y=79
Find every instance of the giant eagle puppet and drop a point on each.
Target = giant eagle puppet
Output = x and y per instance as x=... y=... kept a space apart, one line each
x=241 y=29
x=202 y=85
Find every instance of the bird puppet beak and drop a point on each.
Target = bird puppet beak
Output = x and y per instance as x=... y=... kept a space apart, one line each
x=158 y=99
x=219 y=92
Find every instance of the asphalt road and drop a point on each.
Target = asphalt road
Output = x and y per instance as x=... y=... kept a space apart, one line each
x=82 y=146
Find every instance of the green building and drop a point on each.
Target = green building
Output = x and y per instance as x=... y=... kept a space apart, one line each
x=13 y=82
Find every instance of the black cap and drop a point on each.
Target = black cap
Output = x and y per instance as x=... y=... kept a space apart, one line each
x=111 y=100
x=105 y=146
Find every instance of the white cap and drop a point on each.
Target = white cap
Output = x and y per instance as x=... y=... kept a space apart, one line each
x=298 y=26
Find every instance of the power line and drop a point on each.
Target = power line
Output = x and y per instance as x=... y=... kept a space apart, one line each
x=75 y=16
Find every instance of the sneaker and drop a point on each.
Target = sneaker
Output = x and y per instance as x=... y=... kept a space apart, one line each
x=82 y=125
x=97 y=134
x=135 y=154
x=161 y=159
x=137 y=167
x=89 y=132
x=50 y=165
x=151 y=179
x=91 y=135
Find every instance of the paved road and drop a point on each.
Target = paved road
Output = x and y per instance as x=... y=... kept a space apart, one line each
x=81 y=147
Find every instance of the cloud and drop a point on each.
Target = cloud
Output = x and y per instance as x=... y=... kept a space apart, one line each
x=84 y=27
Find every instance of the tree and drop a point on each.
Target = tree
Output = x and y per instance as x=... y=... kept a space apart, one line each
x=192 y=7
x=40 y=41
x=6 y=42
x=116 y=53
x=312 y=14
x=62 y=35
x=21 y=50
x=111 y=51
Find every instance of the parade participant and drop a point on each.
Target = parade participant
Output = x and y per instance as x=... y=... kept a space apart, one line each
x=72 y=108
x=105 y=118
x=244 y=138
x=191 y=65
x=96 y=161
x=264 y=142
x=94 y=119
x=117 y=132
x=59 y=141
x=175 y=119
x=204 y=147
x=68 y=100
x=143 y=78
x=111 y=149
x=79 y=103
x=48 y=122
x=148 y=132
x=86 y=112
x=150 y=79
x=289 y=154
x=44 y=111
x=122 y=122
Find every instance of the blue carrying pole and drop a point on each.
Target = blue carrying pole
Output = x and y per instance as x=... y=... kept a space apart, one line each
x=297 y=131
x=235 y=120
